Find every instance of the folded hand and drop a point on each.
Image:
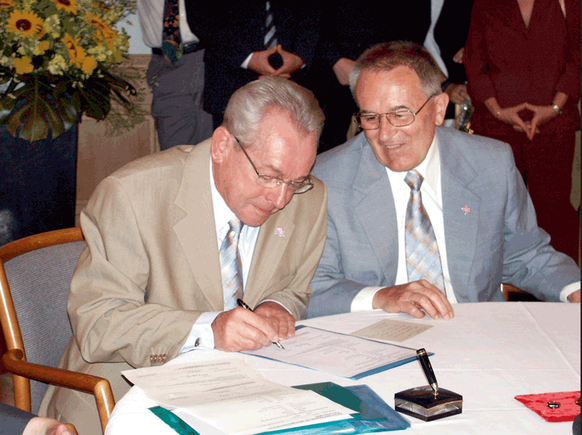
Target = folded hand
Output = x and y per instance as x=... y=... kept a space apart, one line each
x=414 y=298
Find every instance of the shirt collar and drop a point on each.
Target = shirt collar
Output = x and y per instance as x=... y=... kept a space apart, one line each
x=222 y=213
x=429 y=168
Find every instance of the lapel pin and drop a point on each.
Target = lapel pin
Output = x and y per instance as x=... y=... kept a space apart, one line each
x=466 y=209
x=280 y=232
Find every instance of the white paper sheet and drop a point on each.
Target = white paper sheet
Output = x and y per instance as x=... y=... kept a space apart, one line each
x=338 y=354
x=231 y=396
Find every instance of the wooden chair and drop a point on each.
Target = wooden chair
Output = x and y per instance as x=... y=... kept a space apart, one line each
x=35 y=277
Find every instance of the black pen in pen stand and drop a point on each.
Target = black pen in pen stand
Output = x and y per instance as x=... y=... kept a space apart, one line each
x=428 y=403
x=427 y=369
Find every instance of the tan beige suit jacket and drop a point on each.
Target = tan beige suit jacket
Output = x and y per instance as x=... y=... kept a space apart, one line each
x=151 y=268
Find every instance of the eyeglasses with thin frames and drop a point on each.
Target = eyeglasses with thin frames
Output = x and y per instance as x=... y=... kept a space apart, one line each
x=272 y=182
x=398 y=118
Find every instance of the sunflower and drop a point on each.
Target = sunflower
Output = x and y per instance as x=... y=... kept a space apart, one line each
x=103 y=30
x=68 y=5
x=23 y=65
x=42 y=47
x=76 y=52
x=89 y=64
x=25 y=23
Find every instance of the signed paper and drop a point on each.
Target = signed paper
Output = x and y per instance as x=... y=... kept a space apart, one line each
x=338 y=354
x=208 y=388
x=392 y=330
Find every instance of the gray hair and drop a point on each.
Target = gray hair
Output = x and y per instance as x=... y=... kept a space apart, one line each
x=247 y=106
x=389 y=55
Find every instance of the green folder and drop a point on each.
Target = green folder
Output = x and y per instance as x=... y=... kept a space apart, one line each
x=172 y=420
x=374 y=415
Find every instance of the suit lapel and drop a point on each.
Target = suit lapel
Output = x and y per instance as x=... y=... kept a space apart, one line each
x=376 y=211
x=197 y=231
x=271 y=244
x=461 y=211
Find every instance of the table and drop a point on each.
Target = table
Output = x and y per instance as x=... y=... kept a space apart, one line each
x=489 y=353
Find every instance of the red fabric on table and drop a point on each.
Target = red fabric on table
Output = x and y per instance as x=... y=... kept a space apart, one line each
x=538 y=403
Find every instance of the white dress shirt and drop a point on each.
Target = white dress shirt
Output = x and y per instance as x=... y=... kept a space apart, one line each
x=429 y=42
x=151 y=18
x=432 y=200
x=246 y=246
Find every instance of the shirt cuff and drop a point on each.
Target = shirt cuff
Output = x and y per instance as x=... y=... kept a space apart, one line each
x=364 y=298
x=245 y=64
x=568 y=290
x=201 y=336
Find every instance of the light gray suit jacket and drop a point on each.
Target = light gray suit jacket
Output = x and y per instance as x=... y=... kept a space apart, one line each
x=497 y=241
x=152 y=268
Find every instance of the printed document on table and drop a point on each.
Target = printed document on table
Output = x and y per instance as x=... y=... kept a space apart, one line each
x=338 y=354
x=255 y=404
x=392 y=330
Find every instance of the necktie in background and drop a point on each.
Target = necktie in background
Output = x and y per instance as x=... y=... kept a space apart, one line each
x=171 y=39
x=270 y=40
x=422 y=253
x=230 y=264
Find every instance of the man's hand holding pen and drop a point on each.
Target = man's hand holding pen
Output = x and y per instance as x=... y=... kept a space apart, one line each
x=242 y=329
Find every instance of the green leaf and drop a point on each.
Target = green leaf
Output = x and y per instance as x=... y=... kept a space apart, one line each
x=38 y=110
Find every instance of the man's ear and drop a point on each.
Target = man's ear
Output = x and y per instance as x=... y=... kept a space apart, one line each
x=441 y=103
x=220 y=146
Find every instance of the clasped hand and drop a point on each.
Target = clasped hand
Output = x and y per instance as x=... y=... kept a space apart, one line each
x=414 y=298
x=241 y=329
x=510 y=115
x=260 y=63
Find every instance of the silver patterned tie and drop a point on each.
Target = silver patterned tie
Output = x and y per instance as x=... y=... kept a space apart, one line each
x=423 y=260
x=270 y=38
x=230 y=265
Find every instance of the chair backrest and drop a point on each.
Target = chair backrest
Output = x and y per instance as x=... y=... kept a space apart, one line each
x=38 y=271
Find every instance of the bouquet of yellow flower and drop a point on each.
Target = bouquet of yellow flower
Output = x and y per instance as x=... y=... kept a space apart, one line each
x=54 y=62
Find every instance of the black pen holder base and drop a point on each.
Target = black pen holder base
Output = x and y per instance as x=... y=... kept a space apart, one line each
x=422 y=403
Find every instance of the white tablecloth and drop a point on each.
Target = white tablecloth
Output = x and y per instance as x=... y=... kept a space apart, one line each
x=489 y=353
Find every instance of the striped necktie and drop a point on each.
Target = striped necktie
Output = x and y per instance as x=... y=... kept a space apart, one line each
x=171 y=39
x=423 y=260
x=230 y=265
x=270 y=29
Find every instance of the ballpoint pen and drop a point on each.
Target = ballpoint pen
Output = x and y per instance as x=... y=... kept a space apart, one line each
x=246 y=307
x=427 y=368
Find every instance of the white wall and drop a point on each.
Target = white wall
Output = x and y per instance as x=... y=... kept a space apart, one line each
x=136 y=44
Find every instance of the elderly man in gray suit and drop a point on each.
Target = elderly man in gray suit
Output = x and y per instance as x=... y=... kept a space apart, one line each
x=421 y=217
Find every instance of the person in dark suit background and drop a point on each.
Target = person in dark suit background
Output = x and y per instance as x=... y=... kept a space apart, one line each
x=236 y=52
x=14 y=421
x=445 y=42
x=348 y=28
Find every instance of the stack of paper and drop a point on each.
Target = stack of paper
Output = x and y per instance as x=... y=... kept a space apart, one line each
x=229 y=395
